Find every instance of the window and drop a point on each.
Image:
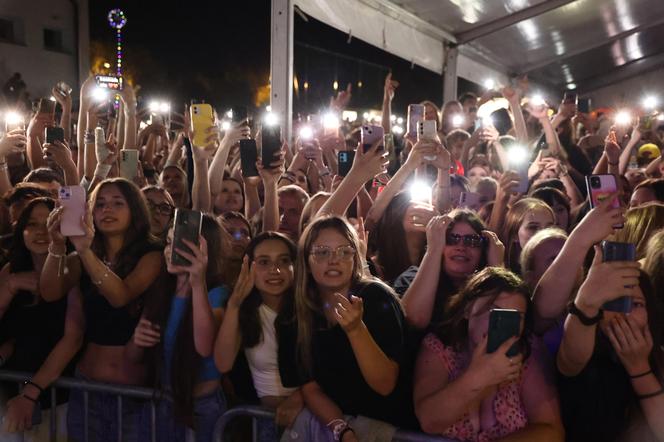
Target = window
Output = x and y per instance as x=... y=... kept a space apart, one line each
x=7 y=33
x=53 y=40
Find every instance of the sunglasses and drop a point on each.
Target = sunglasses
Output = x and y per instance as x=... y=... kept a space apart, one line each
x=474 y=241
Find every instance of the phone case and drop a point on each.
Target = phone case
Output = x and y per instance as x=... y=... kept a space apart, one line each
x=426 y=130
x=600 y=187
x=271 y=144
x=187 y=225
x=618 y=251
x=415 y=115
x=345 y=158
x=503 y=324
x=371 y=134
x=522 y=170
x=53 y=134
x=128 y=164
x=202 y=118
x=248 y=157
x=72 y=199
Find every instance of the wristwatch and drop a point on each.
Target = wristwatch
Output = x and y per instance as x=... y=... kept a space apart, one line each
x=585 y=320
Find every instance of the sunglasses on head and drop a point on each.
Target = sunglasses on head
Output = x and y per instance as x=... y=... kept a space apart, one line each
x=475 y=241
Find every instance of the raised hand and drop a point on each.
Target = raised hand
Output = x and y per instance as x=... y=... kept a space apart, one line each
x=244 y=285
x=348 y=312
x=437 y=233
x=370 y=163
x=146 y=334
x=495 y=254
x=59 y=152
x=390 y=87
x=198 y=261
x=13 y=142
x=342 y=99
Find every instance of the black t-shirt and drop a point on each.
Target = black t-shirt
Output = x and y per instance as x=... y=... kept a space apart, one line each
x=443 y=292
x=335 y=368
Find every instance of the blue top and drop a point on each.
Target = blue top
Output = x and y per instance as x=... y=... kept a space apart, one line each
x=208 y=371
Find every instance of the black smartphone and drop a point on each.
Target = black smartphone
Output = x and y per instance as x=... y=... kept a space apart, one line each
x=570 y=97
x=618 y=251
x=239 y=114
x=345 y=159
x=53 y=134
x=248 y=157
x=501 y=121
x=583 y=105
x=187 y=225
x=271 y=139
x=503 y=325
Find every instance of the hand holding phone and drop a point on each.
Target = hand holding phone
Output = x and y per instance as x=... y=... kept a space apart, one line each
x=186 y=226
x=503 y=325
x=248 y=158
x=601 y=187
x=129 y=164
x=345 y=159
x=72 y=200
x=618 y=251
x=371 y=134
x=415 y=115
x=53 y=134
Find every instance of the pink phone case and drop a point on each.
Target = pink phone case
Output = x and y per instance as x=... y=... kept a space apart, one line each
x=600 y=187
x=415 y=115
x=371 y=134
x=72 y=199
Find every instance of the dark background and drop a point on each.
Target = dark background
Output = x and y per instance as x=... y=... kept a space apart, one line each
x=220 y=52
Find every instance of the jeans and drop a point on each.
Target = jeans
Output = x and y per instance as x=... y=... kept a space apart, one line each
x=207 y=409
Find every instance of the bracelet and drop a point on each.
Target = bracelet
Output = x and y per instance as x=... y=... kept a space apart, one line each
x=55 y=255
x=101 y=280
x=572 y=309
x=344 y=431
x=640 y=375
x=31 y=399
x=62 y=261
x=29 y=382
x=649 y=395
x=339 y=429
x=613 y=164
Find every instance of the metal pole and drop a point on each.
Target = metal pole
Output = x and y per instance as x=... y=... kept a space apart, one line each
x=281 y=64
x=450 y=73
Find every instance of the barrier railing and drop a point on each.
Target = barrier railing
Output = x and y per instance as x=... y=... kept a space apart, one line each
x=256 y=413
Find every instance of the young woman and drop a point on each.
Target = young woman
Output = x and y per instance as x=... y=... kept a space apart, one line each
x=349 y=336
x=231 y=197
x=115 y=264
x=174 y=179
x=182 y=330
x=525 y=218
x=263 y=291
x=653 y=264
x=162 y=209
x=239 y=229
x=641 y=223
x=540 y=252
x=38 y=337
x=458 y=245
x=465 y=393
x=612 y=364
x=559 y=203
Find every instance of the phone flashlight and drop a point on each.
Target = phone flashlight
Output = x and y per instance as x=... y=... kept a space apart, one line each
x=420 y=192
x=13 y=118
x=330 y=121
x=154 y=107
x=623 y=118
x=52 y=98
x=489 y=83
x=270 y=119
x=397 y=130
x=517 y=155
x=306 y=133
x=650 y=102
x=225 y=125
x=164 y=107
x=99 y=94
x=457 y=120
x=487 y=122
x=537 y=100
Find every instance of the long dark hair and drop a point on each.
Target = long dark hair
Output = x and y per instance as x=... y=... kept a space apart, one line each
x=655 y=309
x=250 y=324
x=489 y=283
x=186 y=361
x=20 y=258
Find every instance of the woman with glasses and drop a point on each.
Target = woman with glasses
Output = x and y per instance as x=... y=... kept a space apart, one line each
x=349 y=337
x=264 y=290
x=458 y=245
x=161 y=207
x=465 y=393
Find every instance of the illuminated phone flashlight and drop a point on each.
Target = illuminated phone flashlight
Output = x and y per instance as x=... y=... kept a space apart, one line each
x=517 y=155
x=13 y=118
x=487 y=122
x=330 y=121
x=660 y=117
x=537 y=100
x=397 y=130
x=306 y=133
x=420 y=191
x=457 y=120
x=270 y=119
x=489 y=83
x=99 y=94
x=154 y=107
x=399 y=120
x=229 y=114
x=623 y=118
x=225 y=125
x=52 y=98
x=650 y=102
x=164 y=107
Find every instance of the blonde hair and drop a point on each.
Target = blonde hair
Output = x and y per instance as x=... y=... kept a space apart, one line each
x=515 y=216
x=527 y=257
x=654 y=262
x=640 y=223
x=308 y=211
x=307 y=300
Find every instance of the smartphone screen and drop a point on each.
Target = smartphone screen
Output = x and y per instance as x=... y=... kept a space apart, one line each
x=503 y=325
x=187 y=225
x=109 y=82
x=53 y=134
x=248 y=157
x=271 y=144
x=470 y=200
x=415 y=115
x=618 y=251
x=583 y=105
x=570 y=97
x=345 y=158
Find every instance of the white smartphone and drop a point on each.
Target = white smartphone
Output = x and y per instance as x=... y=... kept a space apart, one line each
x=426 y=130
x=129 y=164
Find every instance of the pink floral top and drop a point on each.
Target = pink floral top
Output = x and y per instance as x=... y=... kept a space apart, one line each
x=507 y=406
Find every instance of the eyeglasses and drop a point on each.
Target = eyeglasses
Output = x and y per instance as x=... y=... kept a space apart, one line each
x=474 y=241
x=163 y=208
x=342 y=253
x=239 y=234
x=266 y=264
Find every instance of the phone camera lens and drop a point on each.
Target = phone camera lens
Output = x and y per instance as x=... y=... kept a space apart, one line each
x=595 y=182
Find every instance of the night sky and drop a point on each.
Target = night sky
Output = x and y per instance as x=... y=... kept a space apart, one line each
x=220 y=52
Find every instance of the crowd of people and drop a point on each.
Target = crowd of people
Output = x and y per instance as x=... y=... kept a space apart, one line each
x=350 y=302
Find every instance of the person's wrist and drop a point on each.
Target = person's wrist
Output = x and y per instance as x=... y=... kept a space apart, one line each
x=31 y=391
x=356 y=331
x=57 y=247
x=588 y=308
x=639 y=369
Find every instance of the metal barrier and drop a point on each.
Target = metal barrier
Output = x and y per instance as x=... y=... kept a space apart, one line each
x=262 y=413
x=121 y=391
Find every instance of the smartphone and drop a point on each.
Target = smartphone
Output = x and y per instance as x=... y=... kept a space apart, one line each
x=63 y=87
x=109 y=82
x=271 y=144
x=202 y=118
x=415 y=115
x=570 y=97
x=53 y=134
x=345 y=159
x=248 y=157
x=388 y=142
x=239 y=114
x=583 y=105
x=600 y=187
x=503 y=325
x=426 y=130
x=72 y=200
x=187 y=225
x=501 y=121
x=370 y=134
x=11 y=125
x=521 y=168
x=618 y=251
x=129 y=164
x=470 y=200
